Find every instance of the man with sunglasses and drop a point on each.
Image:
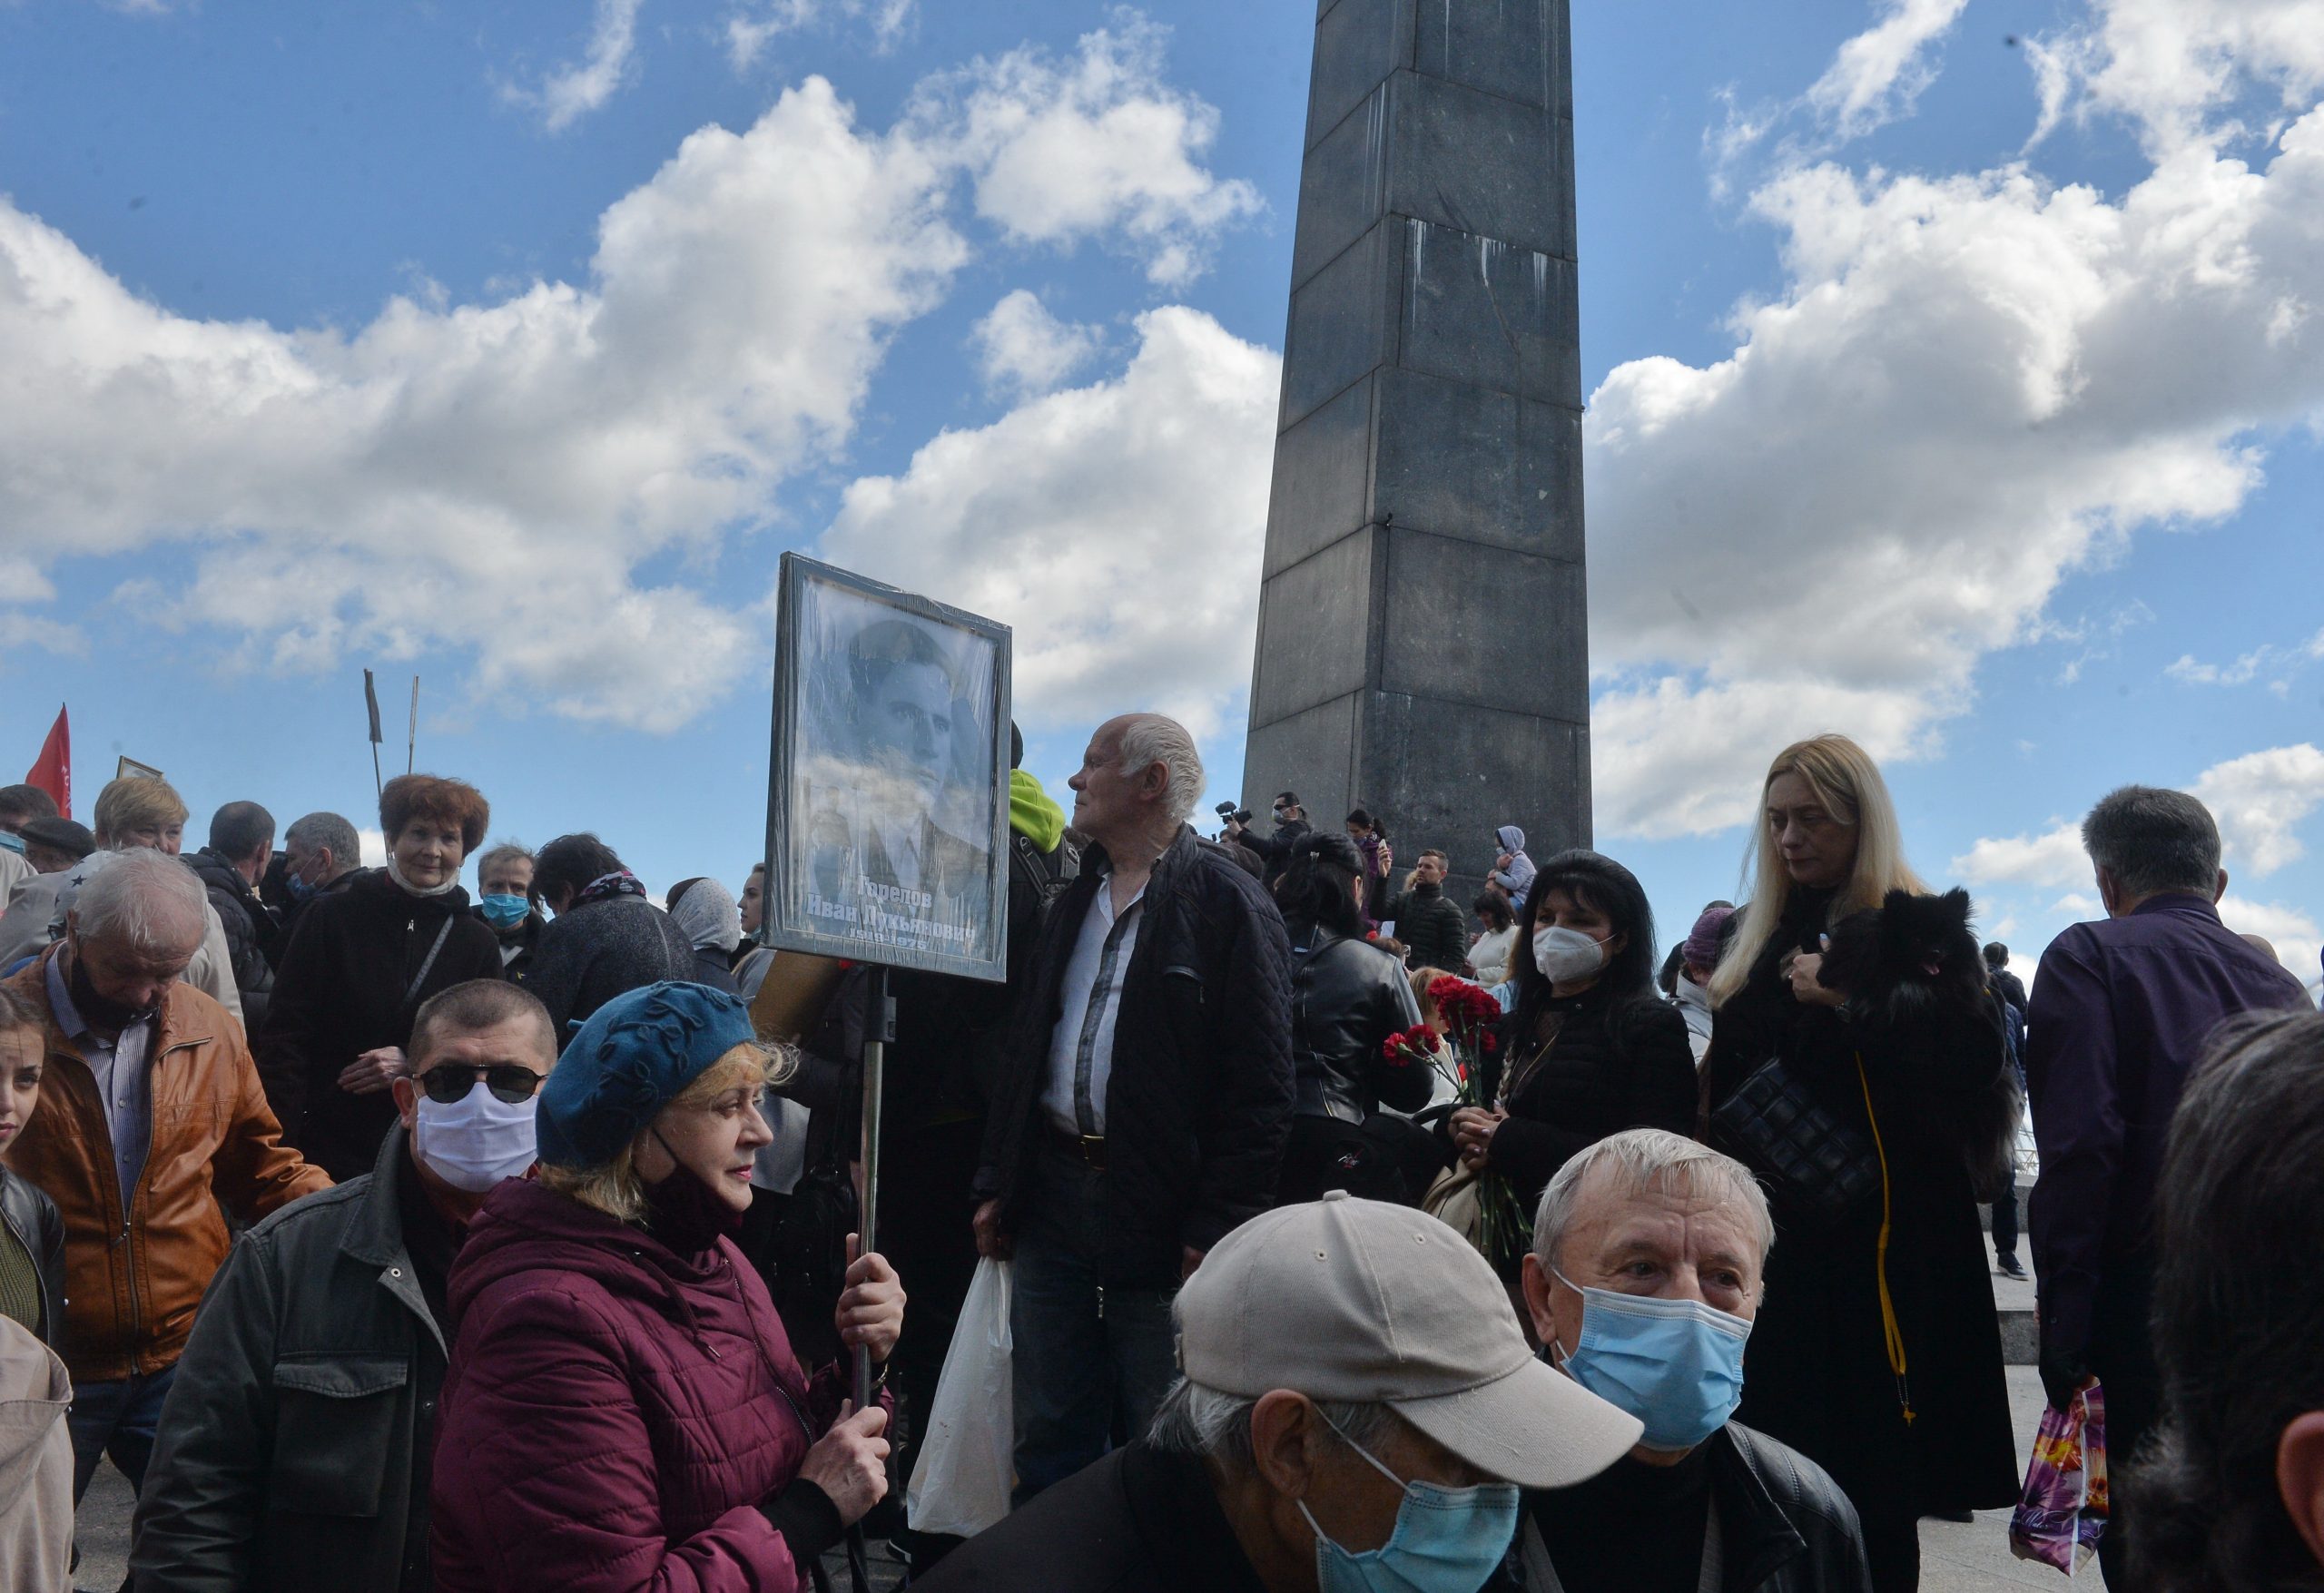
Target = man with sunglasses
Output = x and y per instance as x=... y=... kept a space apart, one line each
x=293 y=1451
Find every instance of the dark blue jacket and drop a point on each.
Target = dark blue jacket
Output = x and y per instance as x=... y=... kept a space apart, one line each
x=2121 y=1012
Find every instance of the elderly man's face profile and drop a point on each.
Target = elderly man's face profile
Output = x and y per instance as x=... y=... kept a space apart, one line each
x=908 y=725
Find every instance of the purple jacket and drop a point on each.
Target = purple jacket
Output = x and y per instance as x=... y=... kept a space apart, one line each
x=2121 y=1012
x=613 y=1413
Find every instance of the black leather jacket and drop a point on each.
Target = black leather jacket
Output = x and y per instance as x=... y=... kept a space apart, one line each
x=1784 y=1527
x=33 y=1218
x=1347 y=997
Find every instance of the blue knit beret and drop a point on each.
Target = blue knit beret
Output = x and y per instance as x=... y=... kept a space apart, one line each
x=633 y=1056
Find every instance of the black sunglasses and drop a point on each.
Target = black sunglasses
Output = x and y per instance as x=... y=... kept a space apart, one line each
x=451 y=1081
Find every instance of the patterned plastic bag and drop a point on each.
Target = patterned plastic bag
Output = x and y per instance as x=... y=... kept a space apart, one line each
x=2063 y=1512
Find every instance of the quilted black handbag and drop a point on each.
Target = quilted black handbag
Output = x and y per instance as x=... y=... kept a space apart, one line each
x=1823 y=1165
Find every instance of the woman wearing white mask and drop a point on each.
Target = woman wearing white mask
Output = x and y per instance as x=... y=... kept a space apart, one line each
x=364 y=959
x=1587 y=1046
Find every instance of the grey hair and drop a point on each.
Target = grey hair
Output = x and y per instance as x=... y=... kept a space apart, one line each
x=2153 y=841
x=144 y=900
x=1148 y=739
x=1203 y=1422
x=328 y=830
x=1644 y=1159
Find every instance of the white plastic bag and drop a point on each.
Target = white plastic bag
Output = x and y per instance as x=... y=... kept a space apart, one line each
x=960 y=1482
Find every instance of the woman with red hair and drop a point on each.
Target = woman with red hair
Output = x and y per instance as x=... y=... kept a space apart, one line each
x=357 y=968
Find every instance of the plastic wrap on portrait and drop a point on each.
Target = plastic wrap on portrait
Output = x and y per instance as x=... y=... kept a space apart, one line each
x=887 y=813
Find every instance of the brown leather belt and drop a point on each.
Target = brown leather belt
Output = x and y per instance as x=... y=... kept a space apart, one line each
x=1089 y=1149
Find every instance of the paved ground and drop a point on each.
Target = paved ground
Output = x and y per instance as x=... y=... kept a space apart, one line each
x=1956 y=1558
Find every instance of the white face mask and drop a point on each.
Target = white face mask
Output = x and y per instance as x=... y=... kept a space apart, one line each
x=475 y=1141
x=1565 y=955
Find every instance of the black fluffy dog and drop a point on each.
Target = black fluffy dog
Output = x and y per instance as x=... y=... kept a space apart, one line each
x=1912 y=964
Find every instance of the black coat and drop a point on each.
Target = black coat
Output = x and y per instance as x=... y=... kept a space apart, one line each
x=345 y=988
x=1612 y=1065
x=1784 y=1527
x=592 y=953
x=1434 y=931
x=1198 y=1106
x=1347 y=997
x=250 y=931
x=1817 y=1374
x=295 y=1440
x=1138 y=1521
x=36 y=1224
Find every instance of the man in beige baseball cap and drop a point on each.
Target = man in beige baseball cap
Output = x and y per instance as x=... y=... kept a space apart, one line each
x=1358 y=1412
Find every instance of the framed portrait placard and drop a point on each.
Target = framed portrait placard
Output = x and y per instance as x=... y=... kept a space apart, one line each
x=888 y=807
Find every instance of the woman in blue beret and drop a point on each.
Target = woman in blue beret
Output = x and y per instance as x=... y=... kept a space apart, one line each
x=622 y=1409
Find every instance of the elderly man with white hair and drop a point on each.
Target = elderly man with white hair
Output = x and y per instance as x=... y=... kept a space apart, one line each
x=1650 y=1255
x=1359 y=1412
x=150 y=1119
x=1144 y=1098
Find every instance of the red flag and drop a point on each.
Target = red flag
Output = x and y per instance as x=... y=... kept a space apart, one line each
x=53 y=771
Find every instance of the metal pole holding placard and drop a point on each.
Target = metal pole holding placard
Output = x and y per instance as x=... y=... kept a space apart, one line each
x=878 y=1029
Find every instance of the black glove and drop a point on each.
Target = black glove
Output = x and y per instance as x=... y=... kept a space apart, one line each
x=2064 y=1371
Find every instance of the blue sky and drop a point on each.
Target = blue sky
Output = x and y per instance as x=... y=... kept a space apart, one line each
x=1954 y=374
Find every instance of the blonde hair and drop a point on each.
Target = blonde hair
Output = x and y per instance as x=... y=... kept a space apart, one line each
x=613 y=1188
x=136 y=802
x=1421 y=978
x=1846 y=780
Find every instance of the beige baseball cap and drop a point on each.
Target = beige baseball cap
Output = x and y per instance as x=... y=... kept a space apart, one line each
x=1358 y=1301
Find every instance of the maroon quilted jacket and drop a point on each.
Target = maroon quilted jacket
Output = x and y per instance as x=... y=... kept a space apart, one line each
x=613 y=1413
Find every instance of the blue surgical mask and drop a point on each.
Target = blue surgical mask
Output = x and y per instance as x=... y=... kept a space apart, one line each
x=505 y=913
x=1447 y=1540
x=1677 y=1365
x=300 y=889
x=12 y=841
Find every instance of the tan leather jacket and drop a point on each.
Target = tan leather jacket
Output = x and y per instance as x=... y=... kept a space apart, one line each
x=131 y=1280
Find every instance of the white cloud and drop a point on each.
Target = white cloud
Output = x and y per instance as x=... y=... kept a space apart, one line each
x=572 y=91
x=1097 y=144
x=1967 y=387
x=2175 y=66
x=1021 y=346
x=2053 y=857
x=490 y=475
x=1876 y=78
x=2298 y=940
x=1116 y=526
x=2260 y=799
x=2267 y=659
x=750 y=31
x=26 y=630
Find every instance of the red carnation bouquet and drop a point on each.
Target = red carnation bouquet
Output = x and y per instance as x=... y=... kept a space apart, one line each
x=1497 y=1224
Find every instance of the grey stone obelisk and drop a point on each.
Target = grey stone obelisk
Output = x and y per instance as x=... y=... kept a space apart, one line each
x=1422 y=632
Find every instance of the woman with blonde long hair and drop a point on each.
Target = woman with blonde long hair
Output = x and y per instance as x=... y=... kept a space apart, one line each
x=1849 y=998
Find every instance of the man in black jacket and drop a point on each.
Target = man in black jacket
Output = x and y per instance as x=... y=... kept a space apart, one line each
x=1433 y=930
x=1703 y=1501
x=294 y=1444
x=242 y=844
x=1337 y=1352
x=1274 y=850
x=1144 y=1098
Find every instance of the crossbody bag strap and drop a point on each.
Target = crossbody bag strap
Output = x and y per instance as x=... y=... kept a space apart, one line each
x=411 y=991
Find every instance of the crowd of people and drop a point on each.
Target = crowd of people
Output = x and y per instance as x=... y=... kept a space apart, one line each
x=387 y=1238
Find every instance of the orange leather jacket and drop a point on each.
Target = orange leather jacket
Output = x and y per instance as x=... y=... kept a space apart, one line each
x=133 y=1279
